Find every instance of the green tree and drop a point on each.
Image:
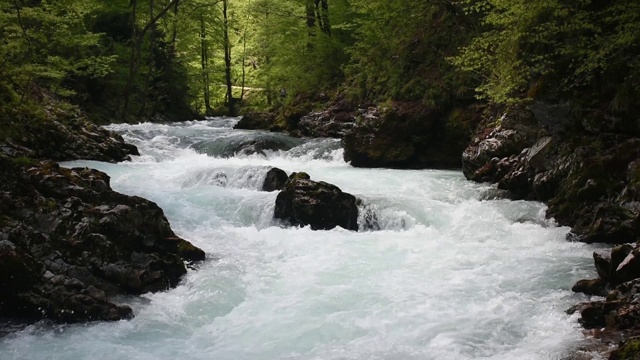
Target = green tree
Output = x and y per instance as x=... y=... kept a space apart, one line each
x=401 y=49
x=526 y=49
x=46 y=44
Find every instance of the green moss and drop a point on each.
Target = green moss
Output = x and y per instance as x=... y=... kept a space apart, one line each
x=22 y=161
x=628 y=350
x=300 y=175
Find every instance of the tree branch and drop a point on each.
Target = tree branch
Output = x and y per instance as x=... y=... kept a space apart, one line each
x=158 y=16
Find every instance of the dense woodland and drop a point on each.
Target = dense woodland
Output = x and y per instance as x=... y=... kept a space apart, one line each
x=125 y=60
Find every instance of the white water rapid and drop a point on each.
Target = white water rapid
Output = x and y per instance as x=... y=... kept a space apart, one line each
x=441 y=274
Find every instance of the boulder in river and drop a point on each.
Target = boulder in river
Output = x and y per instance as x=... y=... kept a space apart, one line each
x=256 y=120
x=407 y=135
x=318 y=204
x=274 y=180
x=68 y=243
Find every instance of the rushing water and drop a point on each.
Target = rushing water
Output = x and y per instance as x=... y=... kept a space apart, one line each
x=443 y=276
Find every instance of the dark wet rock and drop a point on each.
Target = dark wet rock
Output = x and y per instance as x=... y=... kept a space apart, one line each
x=299 y=175
x=259 y=121
x=335 y=122
x=629 y=268
x=407 y=135
x=517 y=130
x=322 y=206
x=589 y=182
x=68 y=243
x=74 y=139
x=602 y=260
x=593 y=316
x=274 y=180
x=617 y=255
x=619 y=283
x=591 y=287
x=246 y=144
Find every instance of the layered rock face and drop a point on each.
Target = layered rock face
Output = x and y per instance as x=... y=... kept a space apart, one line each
x=68 y=243
x=590 y=181
x=322 y=206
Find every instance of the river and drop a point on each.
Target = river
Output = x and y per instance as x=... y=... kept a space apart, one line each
x=442 y=274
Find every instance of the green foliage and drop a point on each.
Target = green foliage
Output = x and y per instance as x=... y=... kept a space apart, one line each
x=168 y=57
x=554 y=46
x=22 y=161
x=47 y=43
x=401 y=48
x=291 y=54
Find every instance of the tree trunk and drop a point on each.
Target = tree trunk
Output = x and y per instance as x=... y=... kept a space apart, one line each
x=227 y=58
x=147 y=79
x=174 y=31
x=204 y=60
x=136 y=48
x=133 y=62
x=311 y=22
x=322 y=7
x=244 y=59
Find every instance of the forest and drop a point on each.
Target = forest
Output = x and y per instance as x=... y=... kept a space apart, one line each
x=127 y=60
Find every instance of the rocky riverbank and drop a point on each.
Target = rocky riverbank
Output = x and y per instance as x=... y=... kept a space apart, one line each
x=68 y=242
x=395 y=135
x=590 y=178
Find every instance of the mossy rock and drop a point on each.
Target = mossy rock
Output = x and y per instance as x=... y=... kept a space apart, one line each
x=299 y=175
x=22 y=161
x=627 y=350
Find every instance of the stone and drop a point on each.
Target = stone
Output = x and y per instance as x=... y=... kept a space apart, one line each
x=629 y=268
x=591 y=287
x=618 y=255
x=407 y=135
x=602 y=261
x=592 y=316
x=77 y=138
x=256 y=121
x=71 y=243
x=274 y=180
x=331 y=123
x=322 y=206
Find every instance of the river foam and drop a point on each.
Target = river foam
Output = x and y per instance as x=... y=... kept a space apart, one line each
x=441 y=275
